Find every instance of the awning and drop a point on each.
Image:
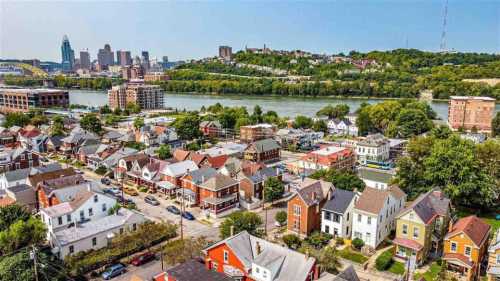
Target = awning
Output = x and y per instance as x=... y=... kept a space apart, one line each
x=408 y=243
x=165 y=185
x=216 y=200
x=458 y=259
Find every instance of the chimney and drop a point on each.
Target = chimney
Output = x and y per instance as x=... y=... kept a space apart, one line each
x=313 y=196
x=450 y=226
x=438 y=193
x=231 y=230
x=258 y=248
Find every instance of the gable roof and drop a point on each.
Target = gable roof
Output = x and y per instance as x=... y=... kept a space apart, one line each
x=68 y=206
x=201 y=175
x=218 y=181
x=340 y=201
x=314 y=192
x=193 y=270
x=476 y=229
x=35 y=179
x=180 y=154
x=217 y=161
x=372 y=200
x=264 y=145
x=495 y=243
x=179 y=168
x=429 y=205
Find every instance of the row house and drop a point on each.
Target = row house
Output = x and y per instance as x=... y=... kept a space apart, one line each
x=375 y=178
x=53 y=143
x=173 y=174
x=252 y=133
x=75 y=140
x=190 y=184
x=304 y=207
x=493 y=271
x=19 y=177
x=156 y=135
x=337 y=213
x=17 y=158
x=329 y=157
x=466 y=247
x=249 y=258
x=96 y=155
x=211 y=129
x=421 y=226
x=266 y=150
x=252 y=183
x=126 y=165
x=30 y=137
x=7 y=137
x=342 y=127
x=200 y=159
x=219 y=196
x=374 y=214
x=373 y=149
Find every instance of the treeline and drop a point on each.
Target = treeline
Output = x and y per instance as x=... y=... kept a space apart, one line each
x=60 y=81
x=218 y=67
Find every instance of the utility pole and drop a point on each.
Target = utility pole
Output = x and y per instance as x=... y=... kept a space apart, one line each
x=33 y=257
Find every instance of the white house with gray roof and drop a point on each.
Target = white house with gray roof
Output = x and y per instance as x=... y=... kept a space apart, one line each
x=337 y=213
x=375 y=178
x=374 y=148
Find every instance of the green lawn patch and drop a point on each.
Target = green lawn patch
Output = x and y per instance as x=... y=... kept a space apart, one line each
x=352 y=256
x=397 y=268
x=431 y=274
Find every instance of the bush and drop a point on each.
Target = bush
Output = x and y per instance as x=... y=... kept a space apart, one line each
x=357 y=243
x=384 y=261
x=101 y=170
x=281 y=217
x=292 y=241
x=319 y=239
x=339 y=241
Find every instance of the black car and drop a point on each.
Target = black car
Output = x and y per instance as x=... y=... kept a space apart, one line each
x=105 y=181
x=187 y=215
x=174 y=210
x=151 y=200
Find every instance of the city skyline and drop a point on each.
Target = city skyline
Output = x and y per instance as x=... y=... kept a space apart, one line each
x=195 y=30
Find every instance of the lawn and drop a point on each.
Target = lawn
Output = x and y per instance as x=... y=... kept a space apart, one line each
x=431 y=274
x=397 y=268
x=488 y=218
x=352 y=256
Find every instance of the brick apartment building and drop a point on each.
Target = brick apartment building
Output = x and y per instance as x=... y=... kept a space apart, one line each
x=22 y=100
x=146 y=96
x=329 y=157
x=156 y=77
x=470 y=112
x=17 y=158
x=257 y=132
x=267 y=150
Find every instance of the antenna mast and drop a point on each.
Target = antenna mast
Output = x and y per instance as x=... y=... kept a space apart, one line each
x=442 y=46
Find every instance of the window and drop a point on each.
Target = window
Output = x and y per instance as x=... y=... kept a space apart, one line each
x=405 y=229
x=328 y=216
x=359 y=218
x=96 y=198
x=71 y=249
x=296 y=210
x=415 y=232
x=357 y=234
x=411 y=216
x=30 y=163
x=467 y=251
x=327 y=229
x=94 y=241
x=498 y=259
x=226 y=256
x=22 y=157
x=59 y=220
x=91 y=212
x=82 y=215
x=264 y=274
x=215 y=266
x=68 y=217
x=18 y=166
x=134 y=227
x=453 y=247
x=257 y=269
x=369 y=220
x=104 y=208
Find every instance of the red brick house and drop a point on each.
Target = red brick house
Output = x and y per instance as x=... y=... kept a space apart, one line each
x=17 y=158
x=173 y=174
x=252 y=184
x=304 y=208
x=219 y=195
x=267 y=150
x=249 y=258
x=190 y=184
x=211 y=128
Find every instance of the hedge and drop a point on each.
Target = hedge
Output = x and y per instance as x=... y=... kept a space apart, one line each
x=384 y=261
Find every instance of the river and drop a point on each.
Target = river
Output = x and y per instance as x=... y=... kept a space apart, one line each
x=284 y=106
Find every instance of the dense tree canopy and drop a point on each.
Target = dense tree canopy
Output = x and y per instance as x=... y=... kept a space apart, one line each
x=340 y=179
x=240 y=221
x=91 y=123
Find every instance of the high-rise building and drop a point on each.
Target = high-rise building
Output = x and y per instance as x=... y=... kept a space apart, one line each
x=68 y=55
x=145 y=59
x=471 y=113
x=24 y=100
x=105 y=57
x=123 y=58
x=85 y=59
x=146 y=96
x=225 y=52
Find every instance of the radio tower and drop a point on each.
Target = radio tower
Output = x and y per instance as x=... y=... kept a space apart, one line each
x=442 y=46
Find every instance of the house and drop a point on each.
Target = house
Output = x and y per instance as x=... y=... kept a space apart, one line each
x=85 y=151
x=374 y=214
x=342 y=127
x=111 y=137
x=86 y=205
x=126 y=163
x=219 y=196
x=211 y=128
x=191 y=270
x=375 y=178
x=466 y=247
x=329 y=157
x=373 y=149
x=7 y=137
x=337 y=213
x=304 y=207
x=17 y=158
x=20 y=177
x=252 y=133
x=252 y=184
x=23 y=195
x=112 y=160
x=421 y=226
x=156 y=135
x=95 y=234
x=181 y=155
x=231 y=149
x=190 y=184
x=173 y=173
x=31 y=138
x=53 y=143
x=246 y=257
x=266 y=150
x=301 y=139
x=75 y=140
x=493 y=271
x=96 y=156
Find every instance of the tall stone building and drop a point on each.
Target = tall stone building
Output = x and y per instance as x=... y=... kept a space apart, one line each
x=471 y=112
x=146 y=96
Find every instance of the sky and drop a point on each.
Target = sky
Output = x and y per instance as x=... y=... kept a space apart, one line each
x=189 y=29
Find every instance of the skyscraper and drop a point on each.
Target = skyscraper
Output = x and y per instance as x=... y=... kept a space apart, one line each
x=105 y=57
x=85 y=59
x=145 y=59
x=123 y=58
x=68 y=55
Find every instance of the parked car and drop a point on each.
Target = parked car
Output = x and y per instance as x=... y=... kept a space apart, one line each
x=151 y=200
x=78 y=172
x=187 y=215
x=130 y=191
x=105 y=181
x=142 y=259
x=174 y=210
x=112 y=191
x=125 y=201
x=113 y=271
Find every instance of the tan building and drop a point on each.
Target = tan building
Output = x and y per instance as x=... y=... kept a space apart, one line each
x=22 y=100
x=146 y=96
x=257 y=132
x=471 y=112
x=225 y=52
x=156 y=77
x=493 y=271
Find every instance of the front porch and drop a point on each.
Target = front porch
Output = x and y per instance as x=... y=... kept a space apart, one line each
x=217 y=207
x=459 y=267
x=406 y=248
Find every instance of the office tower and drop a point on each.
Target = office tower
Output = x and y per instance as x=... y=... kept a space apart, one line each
x=123 y=58
x=471 y=112
x=225 y=52
x=145 y=59
x=146 y=96
x=105 y=57
x=85 y=59
x=68 y=55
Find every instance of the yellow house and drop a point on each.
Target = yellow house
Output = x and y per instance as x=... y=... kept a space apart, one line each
x=494 y=258
x=465 y=247
x=421 y=226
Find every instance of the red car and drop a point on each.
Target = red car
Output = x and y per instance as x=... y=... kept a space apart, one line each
x=142 y=259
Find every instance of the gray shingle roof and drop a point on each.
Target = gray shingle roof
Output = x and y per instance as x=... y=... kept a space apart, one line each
x=428 y=205
x=375 y=175
x=340 y=201
x=203 y=174
x=17 y=174
x=265 y=145
x=195 y=271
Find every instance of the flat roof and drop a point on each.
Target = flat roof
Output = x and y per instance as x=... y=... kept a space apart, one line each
x=329 y=150
x=471 y=98
x=38 y=90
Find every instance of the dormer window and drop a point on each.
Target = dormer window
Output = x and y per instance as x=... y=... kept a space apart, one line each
x=226 y=256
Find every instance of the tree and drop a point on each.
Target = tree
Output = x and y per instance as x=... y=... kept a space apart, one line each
x=320 y=126
x=19 y=267
x=105 y=109
x=412 y=122
x=488 y=155
x=273 y=189
x=441 y=132
x=240 y=221
x=281 y=217
x=340 y=179
x=302 y=122
x=329 y=260
x=242 y=121
x=182 y=250
x=133 y=107
x=91 y=123
x=363 y=122
x=188 y=127
x=138 y=123
x=39 y=119
x=292 y=241
x=16 y=119
x=12 y=213
x=339 y=111
x=57 y=128
x=21 y=234
x=164 y=152
x=357 y=243
x=117 y=111
x=495 y=125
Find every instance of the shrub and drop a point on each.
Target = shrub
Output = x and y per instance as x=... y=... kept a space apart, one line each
x=292 y=241
x=101 y=170
x=384 y=261
x=281 y=217
x=319 y=239
x=358 y=243
x=339 y=241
